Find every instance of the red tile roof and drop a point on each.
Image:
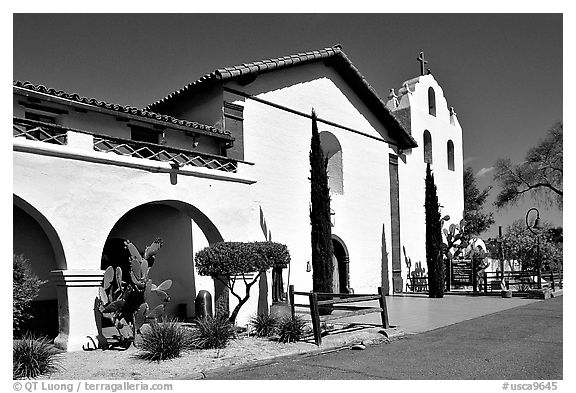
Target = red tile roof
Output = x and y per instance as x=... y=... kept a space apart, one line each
x=144 y=113
x=334 y=56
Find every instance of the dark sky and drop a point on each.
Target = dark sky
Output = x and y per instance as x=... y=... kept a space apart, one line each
x=501 y=72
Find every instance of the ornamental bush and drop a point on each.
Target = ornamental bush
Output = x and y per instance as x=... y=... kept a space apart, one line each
x=26 y=286
x=231 y=261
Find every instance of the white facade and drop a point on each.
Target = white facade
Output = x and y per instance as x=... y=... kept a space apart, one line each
x=80 y=197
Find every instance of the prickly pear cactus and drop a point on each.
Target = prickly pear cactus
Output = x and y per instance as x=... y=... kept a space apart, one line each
x=125 y=298
x=455 y=240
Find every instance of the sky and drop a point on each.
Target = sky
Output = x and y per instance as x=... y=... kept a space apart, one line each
x=502 y=73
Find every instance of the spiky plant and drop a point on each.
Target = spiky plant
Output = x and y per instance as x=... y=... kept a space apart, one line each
x=124 y=296
x=34 y=356
x=163 y=341
x=264 y=324
x=291 y=330
x=212 y=333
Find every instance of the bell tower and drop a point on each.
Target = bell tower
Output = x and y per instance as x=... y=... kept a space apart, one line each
x=421 y=107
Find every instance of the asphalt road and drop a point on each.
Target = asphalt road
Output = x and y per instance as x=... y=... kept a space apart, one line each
x=522 y=343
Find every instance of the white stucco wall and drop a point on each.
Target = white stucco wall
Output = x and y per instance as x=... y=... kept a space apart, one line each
x=279 y=143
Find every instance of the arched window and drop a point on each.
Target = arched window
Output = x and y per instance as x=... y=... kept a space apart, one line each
x=333 y=152
x=431 y=102
x=427 y=147
x=450 y=152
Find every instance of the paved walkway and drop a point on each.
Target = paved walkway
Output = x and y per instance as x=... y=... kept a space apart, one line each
x=419 y=313
x=415 y=313
x=522 y=343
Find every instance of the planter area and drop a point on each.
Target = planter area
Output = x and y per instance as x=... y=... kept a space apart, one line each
x=124 y=365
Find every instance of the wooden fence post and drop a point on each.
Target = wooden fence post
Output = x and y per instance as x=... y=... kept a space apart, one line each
x=315 y=316
x=552 y=279
x=291 y=300
x=384 y=313
x=485 y=282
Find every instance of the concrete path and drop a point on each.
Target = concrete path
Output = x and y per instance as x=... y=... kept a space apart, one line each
x=523 y=343
x=419 y=313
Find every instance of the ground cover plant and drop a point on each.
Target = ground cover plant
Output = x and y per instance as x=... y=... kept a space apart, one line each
x=33 y=357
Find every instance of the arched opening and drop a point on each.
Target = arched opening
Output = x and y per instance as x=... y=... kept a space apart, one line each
x=333 y=152
x=340 y=259
x=431 y=101
x=450 y=153
x=184 y=230
x=36 y=239
x=427 y=147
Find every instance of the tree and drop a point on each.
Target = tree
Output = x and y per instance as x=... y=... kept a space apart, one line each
x=433 y=238
x=321 y=233
x=476 y=220
x=25 y=288
x=518 y=243
x=539 y=176
x=228 y=262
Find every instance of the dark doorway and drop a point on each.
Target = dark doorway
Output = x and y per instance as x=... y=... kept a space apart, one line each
x=341 y=283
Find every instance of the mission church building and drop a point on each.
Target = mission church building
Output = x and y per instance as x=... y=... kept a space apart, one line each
x=225 y=158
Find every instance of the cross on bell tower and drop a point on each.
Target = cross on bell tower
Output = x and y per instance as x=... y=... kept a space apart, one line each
x=423 y=63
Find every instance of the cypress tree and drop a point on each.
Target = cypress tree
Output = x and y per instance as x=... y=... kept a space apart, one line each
x=322 y=248
x=433 y=238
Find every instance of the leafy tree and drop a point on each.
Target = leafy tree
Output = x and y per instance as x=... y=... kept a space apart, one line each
x=228 y=262
x=518 y=243
x=433 y=238
x=25 y=288
x=476 y=220
x=539 y=176
x=321 y=234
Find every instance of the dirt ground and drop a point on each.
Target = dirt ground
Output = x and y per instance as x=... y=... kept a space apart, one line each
x=124 y=365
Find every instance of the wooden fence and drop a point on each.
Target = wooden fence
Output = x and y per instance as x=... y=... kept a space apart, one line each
x=334 y=301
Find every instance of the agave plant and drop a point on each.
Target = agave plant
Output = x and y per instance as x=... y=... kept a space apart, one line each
x=125 y=300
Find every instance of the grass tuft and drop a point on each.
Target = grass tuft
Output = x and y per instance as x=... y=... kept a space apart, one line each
x=212 y=332
x=34 y=356
x=264 y=324
x=291 y=330
x=163 y=341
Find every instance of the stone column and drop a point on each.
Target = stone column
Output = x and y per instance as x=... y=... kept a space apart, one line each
x=77 y=291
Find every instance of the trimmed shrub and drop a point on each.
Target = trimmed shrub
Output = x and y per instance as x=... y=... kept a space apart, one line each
x=225 y=261
x=26 y=286
x=34 y=356
x=212 y=333
x=236 y=258
x=291 y=330
x=163 y=341
x=264 y=324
